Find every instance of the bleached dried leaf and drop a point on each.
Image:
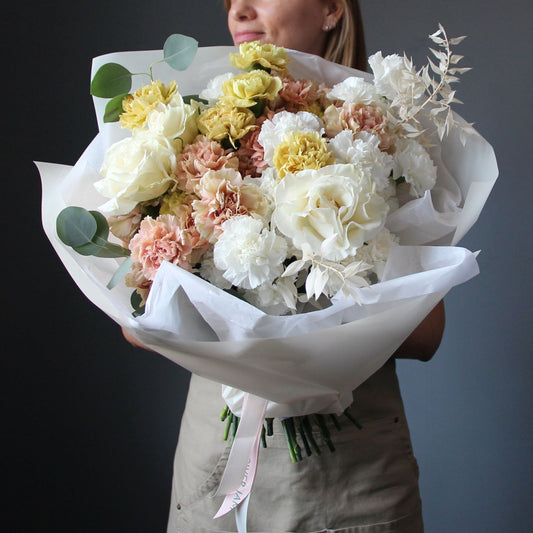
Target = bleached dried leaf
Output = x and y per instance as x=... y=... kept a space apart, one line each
x=457 y=40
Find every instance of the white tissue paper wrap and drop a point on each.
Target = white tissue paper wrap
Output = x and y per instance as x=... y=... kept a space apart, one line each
x=301 y=363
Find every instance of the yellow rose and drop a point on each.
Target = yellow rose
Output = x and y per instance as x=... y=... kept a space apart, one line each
x=300 y=151
x=245 y=90
x=268 y=56
x=225 y=122
x=137 y=106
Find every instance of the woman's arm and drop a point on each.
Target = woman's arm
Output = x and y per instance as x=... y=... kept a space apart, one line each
x=425 y=339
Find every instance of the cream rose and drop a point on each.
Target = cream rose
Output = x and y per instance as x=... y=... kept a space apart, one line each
x=136 y=169
x=334 y=210
x=175 y=120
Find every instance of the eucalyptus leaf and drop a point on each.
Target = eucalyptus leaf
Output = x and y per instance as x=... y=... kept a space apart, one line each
x=194 y=97
x=113 y=108
x=136 y=303
x=121 y=271
x=75 y=226
x=86 y=232
x=111 y=80
x=179 y=51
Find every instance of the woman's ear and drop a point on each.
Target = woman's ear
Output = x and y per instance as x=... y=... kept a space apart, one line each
x=333 y=10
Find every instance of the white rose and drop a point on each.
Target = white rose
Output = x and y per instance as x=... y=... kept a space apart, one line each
x=355 y=90
x=334 y=210
x=136 y=169
x=273 y=131
x=412 y=162
x=393 y=75
x=249 y=254
x=363 y=152
x=176 y=121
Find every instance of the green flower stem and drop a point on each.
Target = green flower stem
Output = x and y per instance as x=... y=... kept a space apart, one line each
x=296 y=446
x=229 y=420
x=301 y=431
x=306 y=425
x=263 y=437
x=352 y=419
x=335 y=421
x=325 y=432
x=270 y=426
x=224 y=413
x=235 y=427
x=289 y=441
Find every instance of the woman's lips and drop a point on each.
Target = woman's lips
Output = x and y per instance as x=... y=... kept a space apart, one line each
x=245 y=36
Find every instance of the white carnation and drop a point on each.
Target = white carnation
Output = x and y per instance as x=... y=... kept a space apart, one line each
x=376 y=251
x=364 y=153
x=394 y=75
x=414 y=164
x=213 y=91
x=355 y=90
x=249 y=254
x=211 y=273
x=273 y=131
x=267 y=183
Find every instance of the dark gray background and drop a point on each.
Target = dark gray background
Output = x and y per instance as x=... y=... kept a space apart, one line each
x=90 y=424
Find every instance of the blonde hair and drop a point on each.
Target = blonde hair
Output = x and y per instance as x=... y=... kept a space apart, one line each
x=345 y=44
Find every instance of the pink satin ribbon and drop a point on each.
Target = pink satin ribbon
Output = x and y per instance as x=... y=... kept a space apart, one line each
x=238 y=477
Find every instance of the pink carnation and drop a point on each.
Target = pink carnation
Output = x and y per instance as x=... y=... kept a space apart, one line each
x=199 y=157
x=224 y=195
x=167 y=238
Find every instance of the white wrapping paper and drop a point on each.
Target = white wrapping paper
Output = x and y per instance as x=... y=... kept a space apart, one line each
x=301 y=363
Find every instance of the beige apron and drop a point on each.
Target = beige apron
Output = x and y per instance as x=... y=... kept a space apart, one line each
x=369 y=484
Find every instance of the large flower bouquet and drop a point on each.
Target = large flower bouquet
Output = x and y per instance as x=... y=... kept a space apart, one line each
x=269 y=207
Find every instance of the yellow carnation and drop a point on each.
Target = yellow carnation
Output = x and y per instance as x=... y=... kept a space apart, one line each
x=226 y=122
x=245 y=90
x=137 y=106
x=268 y=56
x=301 y=151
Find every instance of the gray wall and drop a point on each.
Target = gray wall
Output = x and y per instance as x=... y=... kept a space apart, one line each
x=90 y=424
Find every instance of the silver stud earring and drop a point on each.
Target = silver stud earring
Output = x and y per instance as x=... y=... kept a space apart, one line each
x=326 y=28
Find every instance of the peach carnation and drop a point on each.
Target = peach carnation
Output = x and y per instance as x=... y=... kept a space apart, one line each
x=166 y=238
x=199 y=157
x=223 y=195
x=357 y=117
x=298 y=94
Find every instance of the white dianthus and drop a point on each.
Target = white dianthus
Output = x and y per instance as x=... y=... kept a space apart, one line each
x=248 y=253
x=355 y=90
x=414 y=164
x=365 y=154
x=213 y=91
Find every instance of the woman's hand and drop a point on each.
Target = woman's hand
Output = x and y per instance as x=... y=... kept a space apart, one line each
x=132 y=340
x=425 y=339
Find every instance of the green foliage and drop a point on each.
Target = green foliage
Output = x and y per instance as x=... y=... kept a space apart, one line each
x=136 y=303
x=179 y=51
x=111 y=80
x=86 y=232
x=113 y=109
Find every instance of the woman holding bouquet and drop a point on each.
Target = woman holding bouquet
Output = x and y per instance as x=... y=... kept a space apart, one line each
x=370 y=483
